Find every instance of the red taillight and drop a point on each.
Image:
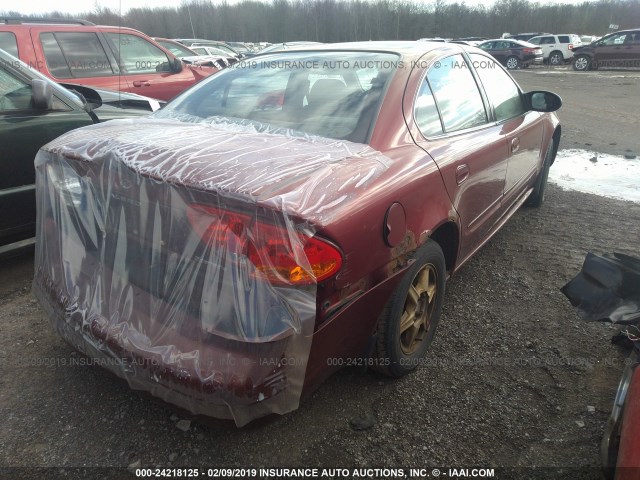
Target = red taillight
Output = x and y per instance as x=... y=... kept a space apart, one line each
x=530 y=50
x=570 y=46
x=267 y=246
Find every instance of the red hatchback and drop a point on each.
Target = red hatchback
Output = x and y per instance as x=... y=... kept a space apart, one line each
x=113 y=58
x=288 y=216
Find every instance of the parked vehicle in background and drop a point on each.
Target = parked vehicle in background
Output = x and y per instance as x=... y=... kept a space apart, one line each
x=524 y=36
x=279 y=47
x=272 y=236
x=240 y=47
x=114 y=58
x=513 y=53
x=619 y=49
x=473 y=41
x=178 y=49
x=33 y=111
x=189 y=42
x=556 y=49
x=586 y=39
x=433 y=39
x=209 y=50
x=202 y=56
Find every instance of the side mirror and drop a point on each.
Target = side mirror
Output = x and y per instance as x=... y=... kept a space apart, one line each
x=41 y=94
x=176 y=65
x=541 y=101
x=173 y=65
x=89 y=97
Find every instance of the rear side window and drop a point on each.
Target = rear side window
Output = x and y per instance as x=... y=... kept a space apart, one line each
x=456 y=94
x=547 y=40
x=500 y=88
x=75 y=55
x=426 y=112
x=8 y=43
x=137 y=55
x=633 y=38
x=564 y=38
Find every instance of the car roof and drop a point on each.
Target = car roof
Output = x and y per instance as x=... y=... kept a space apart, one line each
x=403 y=48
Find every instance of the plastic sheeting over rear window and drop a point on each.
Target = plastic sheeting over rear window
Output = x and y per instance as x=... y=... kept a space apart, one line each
x=318 y=93
x=184 y=256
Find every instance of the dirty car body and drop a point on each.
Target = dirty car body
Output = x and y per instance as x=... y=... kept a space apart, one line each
x=242 y=243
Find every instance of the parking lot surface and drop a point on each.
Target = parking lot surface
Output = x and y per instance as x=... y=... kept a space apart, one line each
x=513 y=378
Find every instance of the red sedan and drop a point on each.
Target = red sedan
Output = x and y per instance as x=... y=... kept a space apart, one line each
x=287 y=216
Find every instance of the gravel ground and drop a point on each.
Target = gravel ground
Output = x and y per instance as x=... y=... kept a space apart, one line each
x=513 y=378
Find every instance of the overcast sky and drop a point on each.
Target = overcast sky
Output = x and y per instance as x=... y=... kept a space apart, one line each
x=76 y=6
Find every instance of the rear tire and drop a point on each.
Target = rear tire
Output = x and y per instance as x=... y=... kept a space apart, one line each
x=556 y=58
x=513 y=63
x=408 y=323
x=536 y=199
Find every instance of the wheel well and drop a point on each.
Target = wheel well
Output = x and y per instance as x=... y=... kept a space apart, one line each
x=446 y=236
x=556 y=51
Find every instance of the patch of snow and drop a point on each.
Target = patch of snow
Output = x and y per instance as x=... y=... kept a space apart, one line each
x=598 y=173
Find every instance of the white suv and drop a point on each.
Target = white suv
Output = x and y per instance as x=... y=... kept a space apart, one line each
x=557 y=49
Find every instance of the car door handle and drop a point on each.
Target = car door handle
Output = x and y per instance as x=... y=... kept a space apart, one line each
x=141 y=83
x=462 y=173
x=515 y=145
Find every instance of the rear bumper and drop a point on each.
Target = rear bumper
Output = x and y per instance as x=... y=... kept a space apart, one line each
x=539 y=60
x=210 y=375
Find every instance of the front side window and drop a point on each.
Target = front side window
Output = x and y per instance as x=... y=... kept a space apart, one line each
x=331 y=94
x=616 y=39
x=456 y=94
x=8 y=43
x=502 y=91
x=75 y=54
x=15 y=94
x=137 y=55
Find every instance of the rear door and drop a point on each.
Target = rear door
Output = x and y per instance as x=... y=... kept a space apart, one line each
x=501 y=50
x=78 y=57
x=548 y=45
x=610 y=51
x=631 y=50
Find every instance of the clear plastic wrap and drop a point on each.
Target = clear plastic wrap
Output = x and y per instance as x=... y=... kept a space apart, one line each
x=180 y=255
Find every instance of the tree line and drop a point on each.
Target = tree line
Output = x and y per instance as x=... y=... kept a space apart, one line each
x=352 y=20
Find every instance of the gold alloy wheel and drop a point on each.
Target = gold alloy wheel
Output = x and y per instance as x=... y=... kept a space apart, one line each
x=418 y=308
